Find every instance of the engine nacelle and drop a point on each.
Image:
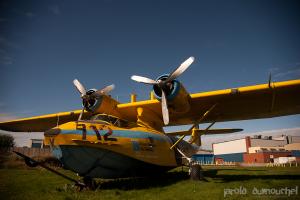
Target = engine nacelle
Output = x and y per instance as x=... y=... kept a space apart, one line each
x=101 y=104
x=177 y=97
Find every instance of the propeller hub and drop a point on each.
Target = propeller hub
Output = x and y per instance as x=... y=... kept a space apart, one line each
x=171 y=88
x=164 y=86
x=89 y=100
x=92 y=97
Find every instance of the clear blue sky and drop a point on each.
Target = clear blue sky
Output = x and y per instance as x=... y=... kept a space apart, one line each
x=44 y=45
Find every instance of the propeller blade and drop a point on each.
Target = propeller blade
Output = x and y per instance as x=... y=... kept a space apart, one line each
x=180 y=69
x=108 y=89
x=142 y=79
x=79 y=118
x=79 y=87
x=164 y=107
x=105 y=90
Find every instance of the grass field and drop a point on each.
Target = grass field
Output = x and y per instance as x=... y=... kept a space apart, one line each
x=20 y=183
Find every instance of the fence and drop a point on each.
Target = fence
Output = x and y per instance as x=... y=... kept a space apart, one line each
x=214 y=164
x=34 y=152
x=291 y=164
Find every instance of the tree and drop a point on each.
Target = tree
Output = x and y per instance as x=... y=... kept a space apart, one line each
x=6 y=142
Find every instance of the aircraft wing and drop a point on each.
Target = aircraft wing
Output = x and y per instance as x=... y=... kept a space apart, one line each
x=206 y=132
x=40 y=123
x=250 y=102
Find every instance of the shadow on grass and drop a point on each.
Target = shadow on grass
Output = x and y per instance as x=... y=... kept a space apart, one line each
x=177 y=176
x=173 y=177
x=146 y=182
x=213 y=172
x=245 y=177
x=237 y=169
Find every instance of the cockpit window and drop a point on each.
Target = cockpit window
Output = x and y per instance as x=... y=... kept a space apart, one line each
x=111 y=120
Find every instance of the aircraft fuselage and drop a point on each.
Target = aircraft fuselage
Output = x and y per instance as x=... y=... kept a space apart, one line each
x=100 y=150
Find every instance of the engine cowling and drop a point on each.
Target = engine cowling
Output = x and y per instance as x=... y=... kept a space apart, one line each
x=168 y=89
x=91 y=103
x=100 y=104
x=177 y=96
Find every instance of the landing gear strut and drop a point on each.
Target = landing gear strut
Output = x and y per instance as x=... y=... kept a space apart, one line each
x=88 y=182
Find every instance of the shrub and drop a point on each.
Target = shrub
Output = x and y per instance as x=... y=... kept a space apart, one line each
x=6 y=142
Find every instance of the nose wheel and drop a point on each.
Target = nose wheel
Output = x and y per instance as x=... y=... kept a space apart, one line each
x=89 y=183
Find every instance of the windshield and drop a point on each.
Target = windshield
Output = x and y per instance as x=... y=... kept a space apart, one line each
x=111 y=120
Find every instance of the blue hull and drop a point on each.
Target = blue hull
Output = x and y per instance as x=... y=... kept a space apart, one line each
x=101 y=163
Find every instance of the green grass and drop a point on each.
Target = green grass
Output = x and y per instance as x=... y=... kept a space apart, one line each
x=40 y=184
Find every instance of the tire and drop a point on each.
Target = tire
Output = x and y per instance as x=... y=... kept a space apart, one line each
x=90 y=183
x=196 y=173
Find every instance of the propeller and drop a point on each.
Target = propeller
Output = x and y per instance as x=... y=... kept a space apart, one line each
x=90 y=95
x=165 y=84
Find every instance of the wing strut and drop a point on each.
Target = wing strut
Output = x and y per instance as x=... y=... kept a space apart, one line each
x=196 y=124
x=181 y=138
x=195 y=136
x=203 y=117
x=272 y=87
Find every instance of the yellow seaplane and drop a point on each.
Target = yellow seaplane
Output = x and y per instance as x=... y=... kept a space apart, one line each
x=109 y=139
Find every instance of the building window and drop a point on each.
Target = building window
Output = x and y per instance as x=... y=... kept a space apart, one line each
x=36 y=145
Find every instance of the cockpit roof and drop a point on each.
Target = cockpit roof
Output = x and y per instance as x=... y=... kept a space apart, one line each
x=112 y=120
